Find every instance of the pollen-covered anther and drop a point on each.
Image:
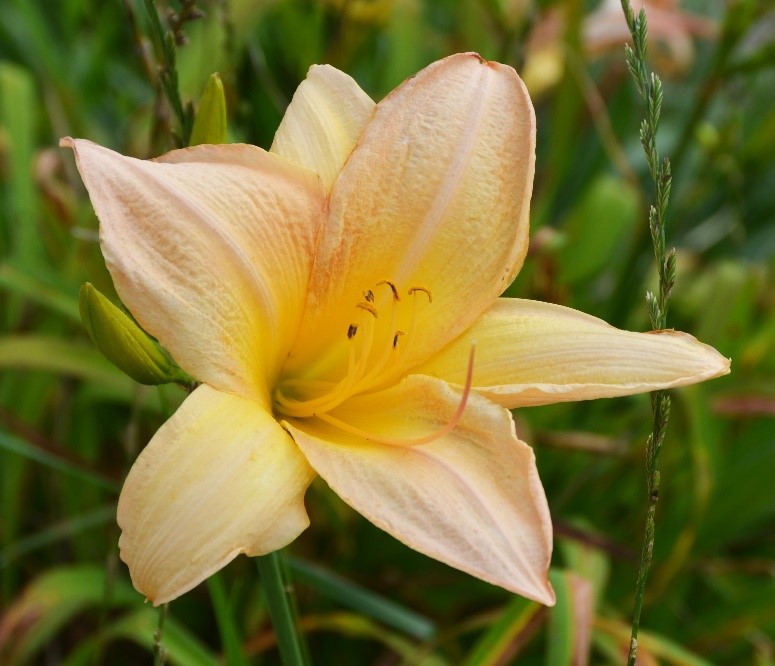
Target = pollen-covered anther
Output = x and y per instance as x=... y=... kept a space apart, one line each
x=393 y=288
x=373 y=358
x=365 y=305
x=425 y=290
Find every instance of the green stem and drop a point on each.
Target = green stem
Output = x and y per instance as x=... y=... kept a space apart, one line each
x=660 y=405
x=282 y=609
x=159 y=653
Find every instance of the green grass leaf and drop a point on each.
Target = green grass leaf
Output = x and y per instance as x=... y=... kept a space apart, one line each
x=366 y=602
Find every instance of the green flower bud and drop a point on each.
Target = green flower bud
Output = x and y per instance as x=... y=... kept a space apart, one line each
x=124 y=343
x=210 y=119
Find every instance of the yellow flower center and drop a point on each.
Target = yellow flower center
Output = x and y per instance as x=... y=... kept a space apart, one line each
x=374 y=353
x=375 y=346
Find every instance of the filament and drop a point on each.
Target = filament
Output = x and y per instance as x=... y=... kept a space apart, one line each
x=427 y=439
x=372 y=356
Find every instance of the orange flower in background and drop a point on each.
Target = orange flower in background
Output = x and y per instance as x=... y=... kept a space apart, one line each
x=328 y=295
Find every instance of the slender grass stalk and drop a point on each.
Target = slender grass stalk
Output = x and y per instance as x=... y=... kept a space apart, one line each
x=166 y=44
x=282 y=609
x=650 y=88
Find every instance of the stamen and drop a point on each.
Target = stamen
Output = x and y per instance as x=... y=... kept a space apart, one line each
x=444 y=430
x=369 y=308
x=406 y=350
x=392 y=286
x=343 y=388
x=373 y=358
x=423 y=289
x=374 y=376
x=355 y=375
x=302 y=408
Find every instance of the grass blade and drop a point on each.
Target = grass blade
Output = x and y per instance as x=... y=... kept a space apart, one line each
x=232 y=646
x=369 y=604
x=12 y=444
x=515 y=625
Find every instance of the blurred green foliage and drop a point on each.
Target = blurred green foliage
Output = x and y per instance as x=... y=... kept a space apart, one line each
x=71 y=424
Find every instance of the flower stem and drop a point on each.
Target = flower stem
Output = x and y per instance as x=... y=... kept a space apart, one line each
x=159 y=653
x=282 y=609
x=650 y=88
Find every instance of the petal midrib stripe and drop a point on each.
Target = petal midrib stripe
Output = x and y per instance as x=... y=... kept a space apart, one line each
x=450 y=184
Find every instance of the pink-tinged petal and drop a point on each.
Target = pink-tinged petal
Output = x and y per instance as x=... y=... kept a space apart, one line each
x=323 y=122
x=220 y=478
x=436 y=194
x=471 y=499
x=210 y=248
x=533 y=353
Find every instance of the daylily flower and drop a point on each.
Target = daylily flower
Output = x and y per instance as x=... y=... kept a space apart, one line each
x=328 y=295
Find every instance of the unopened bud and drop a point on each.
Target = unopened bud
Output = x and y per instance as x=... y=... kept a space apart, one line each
x=210 y=119
x=124 y=343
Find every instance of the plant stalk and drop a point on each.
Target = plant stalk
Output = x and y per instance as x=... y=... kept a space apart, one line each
x=650 y=88
x=282 y=609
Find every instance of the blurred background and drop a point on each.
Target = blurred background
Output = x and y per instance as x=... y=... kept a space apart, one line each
x=71 y=424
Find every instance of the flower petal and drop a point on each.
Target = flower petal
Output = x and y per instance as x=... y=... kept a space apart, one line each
x=210 y=248
x=436 y=194
x=220 y=478
x=471 y=499
x=533 y=353
x=326 y=116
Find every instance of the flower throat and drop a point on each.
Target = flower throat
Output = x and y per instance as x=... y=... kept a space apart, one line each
x=373 y=355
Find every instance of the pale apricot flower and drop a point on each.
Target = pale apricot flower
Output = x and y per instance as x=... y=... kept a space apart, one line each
x=327 y=295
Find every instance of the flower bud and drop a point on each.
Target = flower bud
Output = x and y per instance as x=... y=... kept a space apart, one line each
x=123 y=342
x=210 y=119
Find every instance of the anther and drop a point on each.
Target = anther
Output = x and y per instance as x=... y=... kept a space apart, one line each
x=423 y=289
x=351 y=331
x=395 y=338
x=369 y=295
x=369 y=308
x=393 y=288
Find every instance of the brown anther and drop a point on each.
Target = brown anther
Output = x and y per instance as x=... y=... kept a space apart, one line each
x=369 y=308
x=423 y=289
x=395 y=338
x=351 y=331
x=369 y=295
x=392 y=286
